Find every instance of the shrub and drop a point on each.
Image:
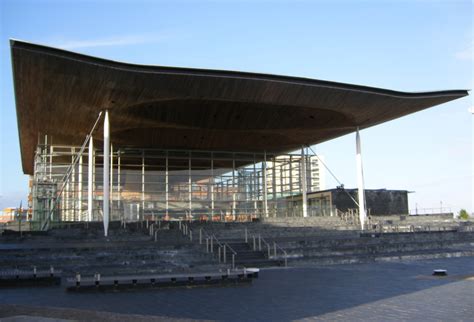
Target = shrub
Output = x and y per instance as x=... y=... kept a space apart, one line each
x=463 y=214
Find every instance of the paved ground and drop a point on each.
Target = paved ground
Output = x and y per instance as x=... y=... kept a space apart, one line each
x=450 y=302
x=376 y=292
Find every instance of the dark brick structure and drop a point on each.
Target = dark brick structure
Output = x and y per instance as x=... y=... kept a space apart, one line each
x=379 y=201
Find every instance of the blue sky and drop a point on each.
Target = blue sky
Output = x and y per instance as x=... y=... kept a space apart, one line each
x=401 y=45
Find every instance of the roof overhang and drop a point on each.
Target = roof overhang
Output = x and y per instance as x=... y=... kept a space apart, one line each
x=60 y=93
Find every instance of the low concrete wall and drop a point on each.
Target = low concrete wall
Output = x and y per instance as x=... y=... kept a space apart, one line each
x=416 y=218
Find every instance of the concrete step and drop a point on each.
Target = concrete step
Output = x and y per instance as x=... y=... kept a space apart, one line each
x=348 y=259
x=259 y=263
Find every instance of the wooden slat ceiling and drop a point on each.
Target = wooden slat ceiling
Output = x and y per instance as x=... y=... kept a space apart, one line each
x=60 y=93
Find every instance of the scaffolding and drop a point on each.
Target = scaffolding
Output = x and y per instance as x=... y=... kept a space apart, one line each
x=170 y=184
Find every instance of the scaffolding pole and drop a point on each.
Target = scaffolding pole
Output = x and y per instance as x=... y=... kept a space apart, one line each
x=264 y=173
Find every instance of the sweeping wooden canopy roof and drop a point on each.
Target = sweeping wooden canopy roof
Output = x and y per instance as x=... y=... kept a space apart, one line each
x=60 y=93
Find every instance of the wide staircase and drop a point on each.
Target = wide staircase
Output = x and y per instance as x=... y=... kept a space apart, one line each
x=129 y=250
x=303 y=241
x=205 y=246
x=227 y=242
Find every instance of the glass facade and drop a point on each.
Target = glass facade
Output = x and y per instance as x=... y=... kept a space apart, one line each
x=169 y=184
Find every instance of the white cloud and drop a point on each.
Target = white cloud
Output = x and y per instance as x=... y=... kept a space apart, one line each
x=110 y=41
x=465 y=54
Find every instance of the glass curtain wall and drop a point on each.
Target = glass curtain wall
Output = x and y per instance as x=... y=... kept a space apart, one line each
x=169 y=184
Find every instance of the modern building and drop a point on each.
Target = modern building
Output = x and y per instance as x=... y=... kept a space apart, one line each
x=284 y=168
x=11 y=214
x=105 y=140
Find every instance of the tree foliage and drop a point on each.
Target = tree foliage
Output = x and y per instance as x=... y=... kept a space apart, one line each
x=463 y=214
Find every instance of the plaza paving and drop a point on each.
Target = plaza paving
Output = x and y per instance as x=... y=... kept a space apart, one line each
x=375 y=291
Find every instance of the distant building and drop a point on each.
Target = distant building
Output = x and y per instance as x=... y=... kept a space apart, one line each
x=283 y=175
x=378 y=201
x=11 y=214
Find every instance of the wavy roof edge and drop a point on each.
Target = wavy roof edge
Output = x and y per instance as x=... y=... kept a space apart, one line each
x=230 y=73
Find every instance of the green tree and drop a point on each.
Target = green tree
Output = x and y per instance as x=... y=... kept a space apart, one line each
x=463 y=214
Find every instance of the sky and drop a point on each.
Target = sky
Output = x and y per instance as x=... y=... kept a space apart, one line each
x=401 y=45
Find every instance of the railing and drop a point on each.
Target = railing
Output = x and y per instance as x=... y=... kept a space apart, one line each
x=257 y=241
x=351 y=216
x=211 y=242
x=430 y=211
x=400 y=228
x=153 y=228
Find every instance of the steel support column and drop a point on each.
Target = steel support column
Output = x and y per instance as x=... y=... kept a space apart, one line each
x=360 y=182
x=106 y=170
x=167 y=186
x=111 y=178
x=190 y=191
x=233 y=188
x=73 y=187
x=143 y=187
x=90 y=174
x=255 y=185
x=79 y=189
x=50 y=162
x=212 y=186
x=291 y=176
x=119 y=182
x=264 y=174
x=303 y=183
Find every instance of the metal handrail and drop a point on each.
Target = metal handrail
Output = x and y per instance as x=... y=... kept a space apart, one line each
x=275 y=247
x=222 y=246
x=285 y=254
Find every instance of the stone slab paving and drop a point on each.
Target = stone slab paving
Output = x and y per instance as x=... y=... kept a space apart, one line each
x=371 y=291
x=450 y=302
x=11 y=313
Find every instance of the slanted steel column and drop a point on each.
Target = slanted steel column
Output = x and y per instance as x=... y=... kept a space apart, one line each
x=360 y=182
x=304 y=195
x=264 y=173
x=90 y=173
x=105 y=185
